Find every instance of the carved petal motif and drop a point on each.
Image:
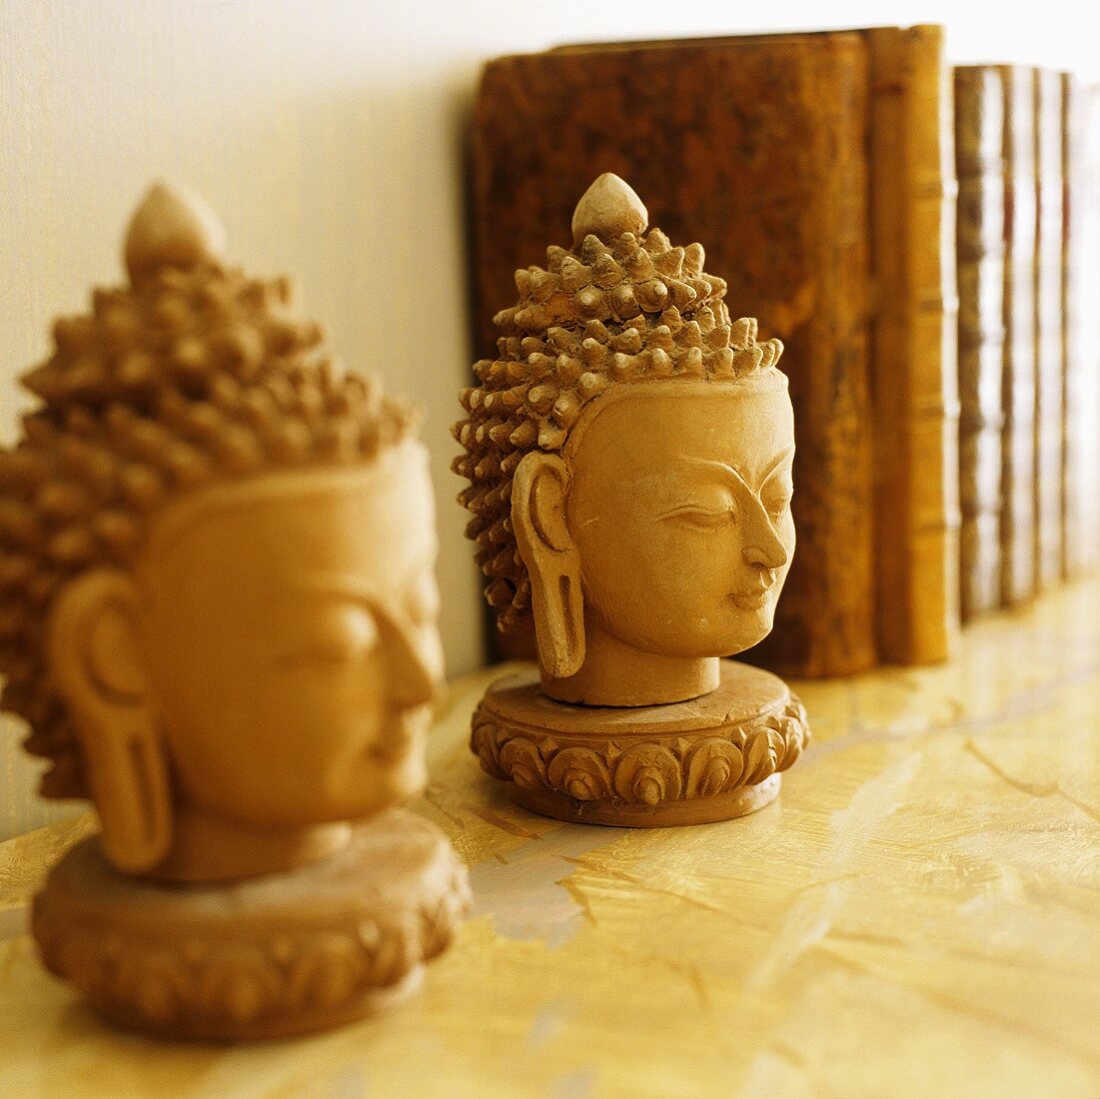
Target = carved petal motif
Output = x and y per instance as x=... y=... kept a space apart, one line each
x=521 y=761
x=762 y=755
x=237 y=983
x=714 y=766
x=484 y=740
x=158 y=985
x=647 y=774
x=393 y=958
x=337 y=969
x=581 y=773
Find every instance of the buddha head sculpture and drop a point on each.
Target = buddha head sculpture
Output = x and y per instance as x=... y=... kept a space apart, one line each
x=217 y=599
x=630 y=456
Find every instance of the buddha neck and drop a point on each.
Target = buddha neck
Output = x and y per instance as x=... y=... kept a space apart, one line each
x=616 y=674
x=207 y=847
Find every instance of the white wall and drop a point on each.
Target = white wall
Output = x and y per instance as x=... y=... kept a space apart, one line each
x=328 y=135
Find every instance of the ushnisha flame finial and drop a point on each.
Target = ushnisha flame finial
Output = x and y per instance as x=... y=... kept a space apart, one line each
x=171 y=228
x=608 y=209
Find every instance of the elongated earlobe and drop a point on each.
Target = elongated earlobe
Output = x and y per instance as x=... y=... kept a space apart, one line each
x=95 y=660
x=538 y=519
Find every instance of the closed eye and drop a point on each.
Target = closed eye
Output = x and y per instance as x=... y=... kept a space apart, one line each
x=331 y=652
x=776 y=505
x=691 y=515
x=346 y=638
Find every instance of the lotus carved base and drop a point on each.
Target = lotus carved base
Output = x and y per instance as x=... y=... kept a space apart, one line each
x=708 y=759
x=263 y=957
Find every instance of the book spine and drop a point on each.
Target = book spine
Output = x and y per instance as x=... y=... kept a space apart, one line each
x=914 y=377
x=1049 y=370
x=1080 y=287
x=831 y=383
x=979 y=134
x=1088 y=334
x=1018 y=378
x=775 y=188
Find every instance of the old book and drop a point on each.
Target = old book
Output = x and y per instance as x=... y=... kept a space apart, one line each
x=775 y=184
x=759 y=146
x=980 y=255
x=1018 y=377
x=1048 y=329
x=914 y=378
x=1080 y=328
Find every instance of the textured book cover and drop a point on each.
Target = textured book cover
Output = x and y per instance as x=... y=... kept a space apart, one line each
x=914 y=377
x=1018 y=378
x=1048 y=329
x=753 y=147
x=980 y=270
x=762 y=149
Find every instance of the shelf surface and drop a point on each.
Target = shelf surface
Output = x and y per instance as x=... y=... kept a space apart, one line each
x=918 y=914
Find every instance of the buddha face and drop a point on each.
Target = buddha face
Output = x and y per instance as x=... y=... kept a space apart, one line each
x=679 y=507
x=290 y=637
x=278 y=639
x=675 y=532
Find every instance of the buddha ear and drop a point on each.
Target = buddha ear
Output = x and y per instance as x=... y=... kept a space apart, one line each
x=95 y=661
x=539 y=488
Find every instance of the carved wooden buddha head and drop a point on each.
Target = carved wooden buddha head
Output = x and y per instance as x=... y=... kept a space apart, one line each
x=217 y=550
x=630 y=463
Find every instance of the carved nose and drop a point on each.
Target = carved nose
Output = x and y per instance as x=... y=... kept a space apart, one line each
x=754 y=555
x=762 y=547
x=412 y=682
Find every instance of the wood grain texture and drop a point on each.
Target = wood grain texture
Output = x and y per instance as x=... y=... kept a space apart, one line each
x=914 y=376
x=916 y=915
x=1049 y=366
x=1018 y=380
x=753 y=147
x=980 y=255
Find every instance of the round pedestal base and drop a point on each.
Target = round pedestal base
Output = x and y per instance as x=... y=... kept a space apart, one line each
x=708 y=759
x=263 y=957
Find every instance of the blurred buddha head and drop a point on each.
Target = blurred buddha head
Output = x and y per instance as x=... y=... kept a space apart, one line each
x=630 y=457
x=217 y=552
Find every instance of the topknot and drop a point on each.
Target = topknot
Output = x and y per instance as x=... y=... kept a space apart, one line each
x=623 y=306
x=192 y=374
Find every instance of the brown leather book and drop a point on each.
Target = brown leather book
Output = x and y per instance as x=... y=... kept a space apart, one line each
x=1048 y=329
x=980 y=255
x=1018 y=377
x=758 y=147
x=755 y=147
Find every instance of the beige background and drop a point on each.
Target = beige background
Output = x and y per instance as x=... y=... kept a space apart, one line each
x=329 y=136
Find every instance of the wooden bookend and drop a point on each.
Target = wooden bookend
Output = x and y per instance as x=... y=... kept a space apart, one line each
x=219 y=617
x=630 y=456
